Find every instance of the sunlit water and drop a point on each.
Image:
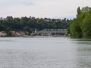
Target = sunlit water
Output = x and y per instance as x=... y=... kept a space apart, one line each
x=44 y=52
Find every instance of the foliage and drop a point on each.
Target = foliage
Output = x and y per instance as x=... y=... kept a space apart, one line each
x=8 y=29
x=9 y=33
x=31 y=23
x=80 y=26
x=86 y=26
x=27 y=29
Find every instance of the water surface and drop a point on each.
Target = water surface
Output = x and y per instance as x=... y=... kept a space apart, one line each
x=44 y=52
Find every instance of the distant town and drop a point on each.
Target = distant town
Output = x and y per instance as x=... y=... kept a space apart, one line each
x=31 y=26
x=45 y=32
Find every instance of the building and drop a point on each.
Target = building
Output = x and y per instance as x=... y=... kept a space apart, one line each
x=9 y=18
x=3 y=33
x=2 y=18
x=19 y=33
x=52 y=32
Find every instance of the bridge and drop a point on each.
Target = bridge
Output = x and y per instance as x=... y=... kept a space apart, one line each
x=53 y=32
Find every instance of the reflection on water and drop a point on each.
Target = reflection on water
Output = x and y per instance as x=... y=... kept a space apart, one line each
x=45 y=52
x=82 y=41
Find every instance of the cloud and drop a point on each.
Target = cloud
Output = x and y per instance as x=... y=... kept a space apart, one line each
x=42 y=8
x=27 y=3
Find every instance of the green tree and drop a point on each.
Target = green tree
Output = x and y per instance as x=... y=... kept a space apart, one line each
x=86 y=26
x=75 y=30
x=80 y=26
x=19 y=24
x=8 y=29
x=9 y=33
x=78 y=10
x=27 y=29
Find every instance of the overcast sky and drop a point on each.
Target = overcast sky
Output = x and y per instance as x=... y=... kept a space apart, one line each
x=41 y=8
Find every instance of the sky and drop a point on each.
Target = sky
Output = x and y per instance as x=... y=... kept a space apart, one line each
x=58 y=9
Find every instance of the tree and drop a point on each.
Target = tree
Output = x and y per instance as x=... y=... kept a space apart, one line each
x=19 y=24
x=75 y=30
x=27 y=29
x=80 y=26
x=78 y=10
x=9 y=33
x=86 y=26
x=8 y=29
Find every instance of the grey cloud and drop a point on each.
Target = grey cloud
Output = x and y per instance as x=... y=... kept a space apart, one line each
x=42 y=14
x=27 y=3
x=71 y=12
x=16 y=2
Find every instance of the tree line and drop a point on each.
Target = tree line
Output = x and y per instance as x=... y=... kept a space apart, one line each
x=30 y=23
x=80 y=27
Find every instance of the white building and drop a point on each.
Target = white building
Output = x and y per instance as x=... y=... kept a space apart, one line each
x=2 y=33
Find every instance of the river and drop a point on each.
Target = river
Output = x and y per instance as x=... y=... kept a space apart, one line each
x=44 y=52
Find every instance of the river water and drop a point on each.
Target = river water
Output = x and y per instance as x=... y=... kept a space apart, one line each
x=44 y=52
